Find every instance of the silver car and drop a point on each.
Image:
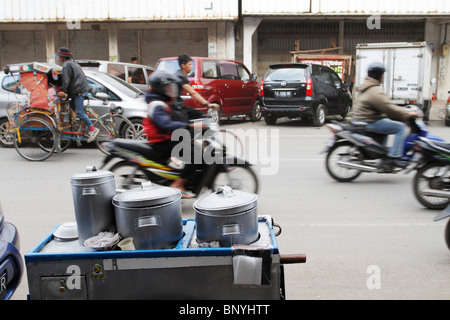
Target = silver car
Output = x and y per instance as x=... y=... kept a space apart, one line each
x=120 y=93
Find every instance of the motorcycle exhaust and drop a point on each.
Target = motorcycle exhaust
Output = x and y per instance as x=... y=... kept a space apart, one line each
x=436 y=193
x=355 y=166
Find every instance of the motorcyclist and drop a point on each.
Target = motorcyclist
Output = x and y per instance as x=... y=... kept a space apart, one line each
x=165 y=115
x=375 y=108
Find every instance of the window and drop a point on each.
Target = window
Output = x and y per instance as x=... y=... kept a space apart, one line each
x=10 y=84
x=173 y=66
x=210 y=69
x=95 y=87
x=287 y=74
x=331 y=78
x=117 y=70
x=228 y=71
x=243 y=73
x=136 y=75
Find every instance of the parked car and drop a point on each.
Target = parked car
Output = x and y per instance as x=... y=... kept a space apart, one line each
x=226 y=82
x=11 y=263
x=301 y=90
x=447 y=112
x=136 y=74
x=119 y=92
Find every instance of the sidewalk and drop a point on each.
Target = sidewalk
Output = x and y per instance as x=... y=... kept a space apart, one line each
x=437 y=111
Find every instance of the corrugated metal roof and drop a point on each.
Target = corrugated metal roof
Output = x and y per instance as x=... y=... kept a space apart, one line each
x=296 y=7
x=114 y=10
x=280 y=7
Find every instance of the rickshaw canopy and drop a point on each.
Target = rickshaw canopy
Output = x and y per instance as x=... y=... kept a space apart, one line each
x=34 y=77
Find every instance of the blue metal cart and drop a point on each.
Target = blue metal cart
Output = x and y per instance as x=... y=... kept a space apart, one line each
x=67 y=270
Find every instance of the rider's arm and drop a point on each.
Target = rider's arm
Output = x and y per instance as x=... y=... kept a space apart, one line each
x=197 y=96
x=385 y=105
x=66 y=76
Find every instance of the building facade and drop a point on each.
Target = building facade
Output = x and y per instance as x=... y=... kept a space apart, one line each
x=258 y=33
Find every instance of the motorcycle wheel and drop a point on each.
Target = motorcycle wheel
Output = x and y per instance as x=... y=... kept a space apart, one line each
x=341 y=151
x=128 y=176
x=430 y=177
x=238 y=178
x=447 y=234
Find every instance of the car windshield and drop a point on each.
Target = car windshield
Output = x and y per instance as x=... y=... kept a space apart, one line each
x=286 y=74
x=172 y=66
x=119 y=85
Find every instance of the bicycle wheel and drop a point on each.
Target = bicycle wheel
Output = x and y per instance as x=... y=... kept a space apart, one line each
x=239 y=178
x=35 y=139
x=113 y=127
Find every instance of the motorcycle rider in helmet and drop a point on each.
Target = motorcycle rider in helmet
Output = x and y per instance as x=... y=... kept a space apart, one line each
x=383 y=117
x=165 y=115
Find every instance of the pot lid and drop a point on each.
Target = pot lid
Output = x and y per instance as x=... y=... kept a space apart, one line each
x=225 y=201
x=92 y=175
x=147 y=195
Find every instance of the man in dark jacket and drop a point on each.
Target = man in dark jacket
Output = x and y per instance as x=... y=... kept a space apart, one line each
x=75 y=87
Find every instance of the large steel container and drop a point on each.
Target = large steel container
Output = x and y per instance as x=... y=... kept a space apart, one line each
x=151 y=215
x=93 y=192
x=227 y=216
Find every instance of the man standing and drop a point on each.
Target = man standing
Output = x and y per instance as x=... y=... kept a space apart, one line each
x=75 y=87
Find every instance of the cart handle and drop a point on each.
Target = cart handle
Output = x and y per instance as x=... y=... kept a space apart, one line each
x=292 y=258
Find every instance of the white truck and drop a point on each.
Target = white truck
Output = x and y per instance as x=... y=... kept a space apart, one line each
x=408 y=76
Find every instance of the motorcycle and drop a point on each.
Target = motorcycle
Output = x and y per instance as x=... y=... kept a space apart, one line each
x=140 y=162
x=431 y=183
x=444 y=215
x=354 y=150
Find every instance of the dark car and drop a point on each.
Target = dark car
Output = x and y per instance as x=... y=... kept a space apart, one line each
x=299 y=90
x=225 y=82
x=11 y=263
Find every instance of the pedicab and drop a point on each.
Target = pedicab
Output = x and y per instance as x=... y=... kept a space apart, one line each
x=42 y=124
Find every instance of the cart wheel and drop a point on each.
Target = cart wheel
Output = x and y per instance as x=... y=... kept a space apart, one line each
x=35 y=139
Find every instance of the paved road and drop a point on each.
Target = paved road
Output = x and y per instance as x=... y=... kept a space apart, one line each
x=369 y=239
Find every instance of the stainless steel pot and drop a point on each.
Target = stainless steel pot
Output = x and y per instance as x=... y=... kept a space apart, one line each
x=93 y=192
x=227 y=216
x=151 y=215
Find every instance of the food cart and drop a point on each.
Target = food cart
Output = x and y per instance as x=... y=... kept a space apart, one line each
x=67 y=270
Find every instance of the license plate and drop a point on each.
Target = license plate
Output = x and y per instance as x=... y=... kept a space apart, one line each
x=2 y=286
x=283 y=94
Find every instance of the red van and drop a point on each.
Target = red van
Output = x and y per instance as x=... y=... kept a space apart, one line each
x=226 y=82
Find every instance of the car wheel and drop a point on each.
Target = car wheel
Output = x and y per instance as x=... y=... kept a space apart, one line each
x=348 y=107
x=320 y=116
x=6 y=138
x=270 y=119
x=215 y=115
x=139 y=127
x=256 y=113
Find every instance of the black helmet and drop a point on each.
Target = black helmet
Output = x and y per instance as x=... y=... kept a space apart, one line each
x=376 y=70
x=159 y=82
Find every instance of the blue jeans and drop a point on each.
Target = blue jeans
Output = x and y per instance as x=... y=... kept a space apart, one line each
x=388 y=126
x=77 y=105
